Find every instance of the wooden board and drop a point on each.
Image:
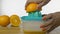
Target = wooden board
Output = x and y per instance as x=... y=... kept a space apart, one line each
x=10 y=30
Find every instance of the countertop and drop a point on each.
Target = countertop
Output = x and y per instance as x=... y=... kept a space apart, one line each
x=10 y=30
x=18 y=30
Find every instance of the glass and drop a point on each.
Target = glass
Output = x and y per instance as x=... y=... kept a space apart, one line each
x=32 y=27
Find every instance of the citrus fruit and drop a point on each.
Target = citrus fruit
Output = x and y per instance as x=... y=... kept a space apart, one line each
x=15 y=20
x=4 y=20
x=31 y=7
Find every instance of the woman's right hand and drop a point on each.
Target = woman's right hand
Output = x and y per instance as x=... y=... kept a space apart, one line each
x=39 y=2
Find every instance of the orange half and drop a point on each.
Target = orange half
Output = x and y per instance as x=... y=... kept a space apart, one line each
x=31 y=7
x=15 y=20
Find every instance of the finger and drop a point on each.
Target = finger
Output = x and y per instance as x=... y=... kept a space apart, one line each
x=46 y=28
x=43 y=29
x=27 y=3
x=47 y=17
x=44 y=18
x=52 y=28
x=40 y=5
x=49 y=22
x=54 y=25
x=39 y=8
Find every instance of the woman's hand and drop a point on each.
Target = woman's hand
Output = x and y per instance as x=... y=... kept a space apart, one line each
x=52 y=21
x=39 y=2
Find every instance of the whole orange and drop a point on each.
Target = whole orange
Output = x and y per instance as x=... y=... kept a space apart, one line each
x=31 y=7
x=4 y=20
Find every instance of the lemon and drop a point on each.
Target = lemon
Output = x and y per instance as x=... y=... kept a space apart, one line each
x=15 y=20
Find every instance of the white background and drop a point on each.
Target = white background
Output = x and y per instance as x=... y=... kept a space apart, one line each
x=10 y=7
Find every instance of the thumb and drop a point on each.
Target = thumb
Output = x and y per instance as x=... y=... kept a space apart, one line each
x=47 y=17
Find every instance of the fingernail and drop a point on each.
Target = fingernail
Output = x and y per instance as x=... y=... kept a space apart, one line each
x=41 y=26
x=44 y=18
